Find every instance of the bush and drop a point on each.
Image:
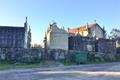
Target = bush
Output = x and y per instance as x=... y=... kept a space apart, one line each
x=118 y=50
x=117 y=56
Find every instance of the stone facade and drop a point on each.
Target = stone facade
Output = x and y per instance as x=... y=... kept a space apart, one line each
x=56 y=38
x=33 y=55
x=57 y=54
x=80 y=43
x=15 y=37
x=92 y=44
x=105 y=46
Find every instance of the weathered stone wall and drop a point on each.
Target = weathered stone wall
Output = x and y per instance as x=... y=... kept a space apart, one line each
x=97 y=56
x=19 y=55
x=35 y=55
x=106 y=46
x=81 y=43
x=57 y=54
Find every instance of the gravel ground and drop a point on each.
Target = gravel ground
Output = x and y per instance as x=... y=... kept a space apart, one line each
x=108 y=71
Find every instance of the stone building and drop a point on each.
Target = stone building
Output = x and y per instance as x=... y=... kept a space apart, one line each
x=89 y=30
x=105 y=46
x=100 y=45
x=56 y=38
x=77 y=42
x=15 y=37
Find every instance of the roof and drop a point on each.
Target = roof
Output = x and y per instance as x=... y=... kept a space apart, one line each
x=82 y=28
x=12 y=27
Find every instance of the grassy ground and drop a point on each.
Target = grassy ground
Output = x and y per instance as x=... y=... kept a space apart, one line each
x=41 y=64
x=12 y=66
x=4 y=66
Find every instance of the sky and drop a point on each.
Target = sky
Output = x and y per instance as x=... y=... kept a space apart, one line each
x=67 y=13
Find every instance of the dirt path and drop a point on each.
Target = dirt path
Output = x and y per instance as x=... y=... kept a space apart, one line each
x=108 y=71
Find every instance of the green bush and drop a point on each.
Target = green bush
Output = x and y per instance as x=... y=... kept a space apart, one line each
x=118 y=50
x=118 y=54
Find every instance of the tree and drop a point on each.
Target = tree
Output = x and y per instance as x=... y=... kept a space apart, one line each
x=115 y=33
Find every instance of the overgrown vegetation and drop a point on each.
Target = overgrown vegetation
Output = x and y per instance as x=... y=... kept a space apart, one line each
x=118 y=54
x=89 y=58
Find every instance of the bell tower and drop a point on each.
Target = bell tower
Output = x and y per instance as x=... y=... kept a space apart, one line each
x=26 y=33
x=26 y=24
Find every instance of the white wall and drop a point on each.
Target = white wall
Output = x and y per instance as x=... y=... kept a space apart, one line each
x=57 y=38
x=96 y=31
x=59 y=41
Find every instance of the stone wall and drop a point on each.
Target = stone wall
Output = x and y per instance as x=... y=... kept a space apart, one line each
x=106 y=46
x=81 y=43
x=19 y=55
x=57 y=54
x=34 y=55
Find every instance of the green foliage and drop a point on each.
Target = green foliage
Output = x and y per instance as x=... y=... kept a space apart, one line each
x=13 y=66
x=118 y=50
x=118 y=54
x=91 y=56
x=41 y=64
x=77 y=57
x=67 y=62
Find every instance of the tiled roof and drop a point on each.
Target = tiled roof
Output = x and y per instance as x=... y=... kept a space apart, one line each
x=82 y=28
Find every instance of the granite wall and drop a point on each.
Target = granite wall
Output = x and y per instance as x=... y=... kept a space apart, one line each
x=18 y=55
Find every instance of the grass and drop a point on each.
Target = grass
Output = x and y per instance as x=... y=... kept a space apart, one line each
x=68 y=63
x=4 y=66
x=96 y=62
x=13 y=66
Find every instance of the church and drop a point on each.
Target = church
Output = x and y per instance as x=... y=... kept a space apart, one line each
x=15 y=37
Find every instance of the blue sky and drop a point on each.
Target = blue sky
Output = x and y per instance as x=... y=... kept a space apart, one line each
x=67 y=13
